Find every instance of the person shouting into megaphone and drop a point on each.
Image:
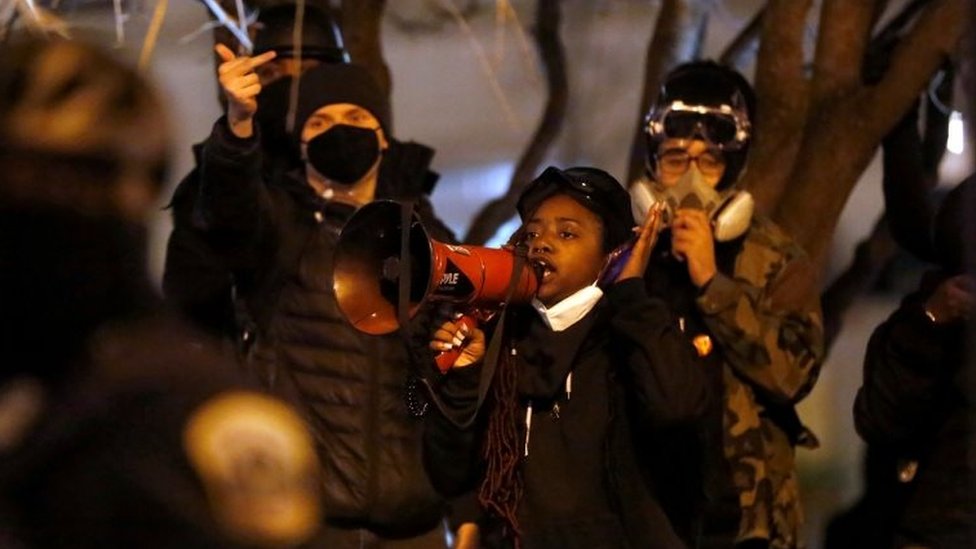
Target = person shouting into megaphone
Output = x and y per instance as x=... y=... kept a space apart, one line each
x=589 y=361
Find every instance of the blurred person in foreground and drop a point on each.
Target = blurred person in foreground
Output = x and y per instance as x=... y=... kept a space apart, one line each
x=119 y=427
x=915 y=408
x=744 y=293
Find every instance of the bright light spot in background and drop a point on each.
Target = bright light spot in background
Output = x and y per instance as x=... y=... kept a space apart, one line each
x=955 y=143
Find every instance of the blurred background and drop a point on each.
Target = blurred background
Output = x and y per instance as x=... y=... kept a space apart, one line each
x=467 y=81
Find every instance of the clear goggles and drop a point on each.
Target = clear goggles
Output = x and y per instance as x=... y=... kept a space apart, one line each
x=726 y=127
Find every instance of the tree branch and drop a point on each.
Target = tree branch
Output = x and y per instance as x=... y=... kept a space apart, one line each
x=782 y=94
x=361 y=26
x=934 y=37
x=743 y=45
x=845 y=28
x=870 y=258
x=499 y=210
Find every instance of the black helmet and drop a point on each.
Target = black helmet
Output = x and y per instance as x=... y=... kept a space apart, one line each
x=707 y=100
x=321 y=38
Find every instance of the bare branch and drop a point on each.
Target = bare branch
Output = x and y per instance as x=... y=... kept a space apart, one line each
x=840 y=140
x=870 y=257
x=434 y=20
x=743 y=46
x=361 y=31
x=782 y=92
x=934 y=37
x=677 y=38
x=496 y=212
x=845 y=28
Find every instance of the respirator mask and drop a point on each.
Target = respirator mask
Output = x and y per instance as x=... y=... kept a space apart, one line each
x=729 y=212
x=726 y=130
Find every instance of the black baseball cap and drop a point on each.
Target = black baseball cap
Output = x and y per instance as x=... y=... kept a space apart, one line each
x=594 y=189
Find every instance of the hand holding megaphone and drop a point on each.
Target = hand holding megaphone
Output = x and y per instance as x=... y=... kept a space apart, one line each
x=458 y=342
x=375 y=254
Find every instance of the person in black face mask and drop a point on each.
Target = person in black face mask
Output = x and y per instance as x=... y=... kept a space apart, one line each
x=195 y=279
x=278 y=233
x=119 y=426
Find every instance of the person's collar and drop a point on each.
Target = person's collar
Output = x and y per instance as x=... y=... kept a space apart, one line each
x=570 y=310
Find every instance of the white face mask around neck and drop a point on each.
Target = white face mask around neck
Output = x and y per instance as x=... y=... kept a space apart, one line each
x=570 y=310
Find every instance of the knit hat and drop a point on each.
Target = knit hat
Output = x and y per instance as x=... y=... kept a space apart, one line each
x=330 y=84
x=593 y=188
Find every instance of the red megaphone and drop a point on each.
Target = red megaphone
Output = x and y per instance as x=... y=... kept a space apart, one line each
x=368 y=267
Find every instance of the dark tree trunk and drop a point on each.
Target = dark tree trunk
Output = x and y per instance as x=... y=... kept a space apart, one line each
x=496 y=212
x=848 y=119
x=361 y=29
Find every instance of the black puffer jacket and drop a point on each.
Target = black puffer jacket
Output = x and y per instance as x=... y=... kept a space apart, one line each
x=278 y=238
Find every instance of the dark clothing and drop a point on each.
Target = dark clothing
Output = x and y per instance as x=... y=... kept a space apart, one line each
x=916 y=405
x=279 y=237
x=631 y=369
x=688 y=467
x=200 y=277
x=196 y=282
x=105 y=464
x=757 y=327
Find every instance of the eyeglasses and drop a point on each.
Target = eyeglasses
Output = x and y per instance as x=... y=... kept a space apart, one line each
x=677 y=162
x=724 y=127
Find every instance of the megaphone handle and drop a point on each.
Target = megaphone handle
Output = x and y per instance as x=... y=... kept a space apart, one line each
x=446 y=359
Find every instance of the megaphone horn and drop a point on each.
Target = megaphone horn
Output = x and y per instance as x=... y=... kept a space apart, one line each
x=368 y=267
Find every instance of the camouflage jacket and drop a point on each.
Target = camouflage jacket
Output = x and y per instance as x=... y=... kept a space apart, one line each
x=765 y=317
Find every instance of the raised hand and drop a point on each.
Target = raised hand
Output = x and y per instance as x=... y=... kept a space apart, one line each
x=692 y=242
x=241 y=86
x=640 y=253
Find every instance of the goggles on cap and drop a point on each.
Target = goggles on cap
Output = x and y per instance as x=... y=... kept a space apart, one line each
x=726 y=127
x=554 y=177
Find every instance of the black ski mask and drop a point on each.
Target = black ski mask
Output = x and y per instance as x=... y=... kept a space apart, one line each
x=344 y=153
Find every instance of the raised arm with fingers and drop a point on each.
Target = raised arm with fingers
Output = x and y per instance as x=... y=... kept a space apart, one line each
x=241 y=86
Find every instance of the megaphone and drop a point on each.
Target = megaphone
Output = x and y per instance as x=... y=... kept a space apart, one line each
x=368 y=267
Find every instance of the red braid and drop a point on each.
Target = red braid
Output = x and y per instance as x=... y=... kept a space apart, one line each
x=501 y=489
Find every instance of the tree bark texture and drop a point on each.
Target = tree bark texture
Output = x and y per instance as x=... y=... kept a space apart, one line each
x=361 y=29
x=847 y=119
x=499 y=210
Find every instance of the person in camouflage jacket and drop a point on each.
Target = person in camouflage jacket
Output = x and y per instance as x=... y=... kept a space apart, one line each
x=745 y=292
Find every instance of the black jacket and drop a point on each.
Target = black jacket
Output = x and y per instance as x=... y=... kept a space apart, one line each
x=278 y=239
x=198 y=279
x=631 y=369
x=105 y=465
x=916 y=405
